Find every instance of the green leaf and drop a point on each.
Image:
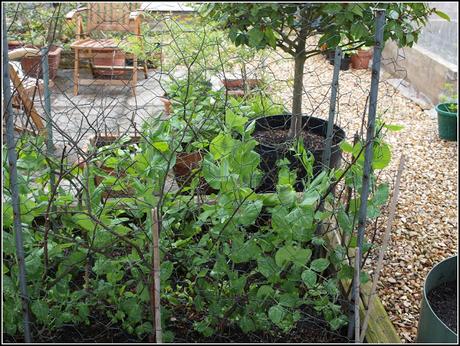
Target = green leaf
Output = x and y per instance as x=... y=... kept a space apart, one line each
x=381 y=194
x=267 y=267
x=289 y=300
x=393 y=14
x=161 y=146
x=83 y=311
x=40 y=310
x=276 y=314
x=442 y=15
x=382 y=155
x=292 y=254
x=221 y=146
x=166 y=270
x=237 y=285
x=344 y=221
x=235 y=121
x=319 y=264
x=249 y=212
x=393 y=127
x=265 y=291
x=246 y=324
x=346 y=272
x=255 y=37
x=211 y=173
x=286 y=194
x=309 y=278
x=245 y=252
x=84 y=221
x=337 y=322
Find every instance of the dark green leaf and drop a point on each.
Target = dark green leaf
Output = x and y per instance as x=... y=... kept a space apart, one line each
x=319 y=264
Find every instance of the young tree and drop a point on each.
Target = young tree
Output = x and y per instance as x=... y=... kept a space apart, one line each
x=288 y=26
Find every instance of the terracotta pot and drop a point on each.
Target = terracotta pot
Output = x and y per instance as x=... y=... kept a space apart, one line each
x=32 y=65
x=167 y=105
x=118 y=59
x=12 y=45
x=360 y=60
x=239 y=83
x=106 y=140
x=185 y=164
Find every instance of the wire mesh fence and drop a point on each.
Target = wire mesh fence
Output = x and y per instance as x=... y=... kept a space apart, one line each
x=166 y=112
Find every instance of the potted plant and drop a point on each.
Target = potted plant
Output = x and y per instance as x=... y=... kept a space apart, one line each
x=288 y=26
x=33 y=29
x=438 y=313
x=447 y=114
x=344 y=62
x=194 y=117
x=239 y=84
x=361 y=58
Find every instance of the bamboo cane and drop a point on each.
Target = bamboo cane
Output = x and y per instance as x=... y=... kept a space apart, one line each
x=156 y=278
x=386 y=239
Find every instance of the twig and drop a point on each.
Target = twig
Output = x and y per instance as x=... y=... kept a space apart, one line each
x=156 y=278
x=386 y=238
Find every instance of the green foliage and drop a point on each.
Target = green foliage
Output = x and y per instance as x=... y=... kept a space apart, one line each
x=449 y=96
x=30 y=24
x=261 y=25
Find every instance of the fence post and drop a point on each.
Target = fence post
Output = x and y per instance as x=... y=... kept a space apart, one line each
x=368 y=156
x=332 y=104
x=12 y=161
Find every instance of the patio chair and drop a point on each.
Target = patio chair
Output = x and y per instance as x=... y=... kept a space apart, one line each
x=24 y=88
x=103 y=18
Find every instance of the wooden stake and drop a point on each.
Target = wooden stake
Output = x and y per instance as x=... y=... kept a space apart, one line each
x=156 y=278
x=386 y=239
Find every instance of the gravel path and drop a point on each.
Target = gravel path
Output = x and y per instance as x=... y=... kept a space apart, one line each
x=425 y=227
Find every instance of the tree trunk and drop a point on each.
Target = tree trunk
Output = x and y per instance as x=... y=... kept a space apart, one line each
x=296 y=118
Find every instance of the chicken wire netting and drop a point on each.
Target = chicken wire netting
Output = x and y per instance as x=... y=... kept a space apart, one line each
x=190 y=138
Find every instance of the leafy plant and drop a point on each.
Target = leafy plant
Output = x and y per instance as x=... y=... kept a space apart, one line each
x=450 y=97
x=287 y=26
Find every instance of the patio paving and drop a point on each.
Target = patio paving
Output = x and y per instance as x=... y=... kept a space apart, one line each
x=104 y=109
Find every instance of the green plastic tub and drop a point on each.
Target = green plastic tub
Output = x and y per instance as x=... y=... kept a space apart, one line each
x=430 y=328
x=447 y=122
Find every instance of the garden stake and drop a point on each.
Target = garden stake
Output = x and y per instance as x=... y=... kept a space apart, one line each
x=156 y=278
x=12 y=163
x=332 y=104
x=386 y=238
x=330 y=126
x=368 y=156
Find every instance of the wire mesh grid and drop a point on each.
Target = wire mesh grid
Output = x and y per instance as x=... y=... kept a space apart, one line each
x=180 y=139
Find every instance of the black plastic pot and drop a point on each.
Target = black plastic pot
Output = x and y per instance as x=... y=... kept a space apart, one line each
x=430 y=327
x=270 y=154
x=344 y=63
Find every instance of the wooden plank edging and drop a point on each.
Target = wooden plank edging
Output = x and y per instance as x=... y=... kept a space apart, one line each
x=380 y=328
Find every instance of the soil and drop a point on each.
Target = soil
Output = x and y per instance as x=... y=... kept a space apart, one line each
x=443 y=300
x=311 y=141
x=311 y=329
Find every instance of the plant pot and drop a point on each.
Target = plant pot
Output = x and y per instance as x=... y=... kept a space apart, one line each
x=32 y=67
x=118 y=59
x=99 y=142
x=431 y=329
x=360 y=60
x=183 y=170
x=231 y=84
x=167 y=105
x=344 y=63
x=270 y=154
x=447 y=122
x=12 y=45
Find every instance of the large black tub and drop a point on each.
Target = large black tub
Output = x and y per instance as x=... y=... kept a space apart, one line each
x=269 y=130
